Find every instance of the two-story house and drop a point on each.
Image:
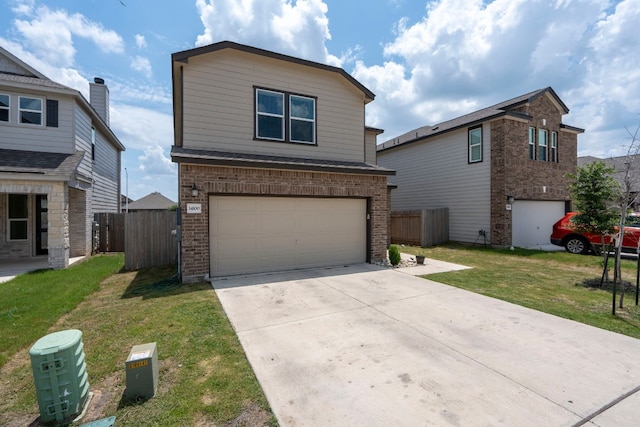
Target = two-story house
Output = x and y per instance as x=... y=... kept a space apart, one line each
x=501 y=171
x=59 y=164
x=277 y=170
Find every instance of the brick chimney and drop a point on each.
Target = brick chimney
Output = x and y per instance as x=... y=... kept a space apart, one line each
x=99 y=98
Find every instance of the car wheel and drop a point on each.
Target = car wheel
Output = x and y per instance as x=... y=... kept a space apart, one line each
x=577 y=245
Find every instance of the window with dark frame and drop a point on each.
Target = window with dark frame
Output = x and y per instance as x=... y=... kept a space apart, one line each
x=532 y=143
x=282 y=116
x=475 y=144
x=554 y=147
x=543 y=145
x=93 y=143
x=30 y=110
x=4 y=107
x=18 y=215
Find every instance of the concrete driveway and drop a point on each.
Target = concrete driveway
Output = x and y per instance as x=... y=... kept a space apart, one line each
x=368 y=346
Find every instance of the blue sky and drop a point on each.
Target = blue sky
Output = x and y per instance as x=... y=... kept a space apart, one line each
x=426 y=61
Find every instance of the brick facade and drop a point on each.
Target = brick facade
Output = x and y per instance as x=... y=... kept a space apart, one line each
x=212 y=180
x=514 y=174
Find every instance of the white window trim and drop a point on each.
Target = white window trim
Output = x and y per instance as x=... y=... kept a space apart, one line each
x=543 y=144
x=554 y=147
x=471 y=146
x=282 y=117
x=7 y=108
x=41 y=111
x=532 y=143
x=303 y=119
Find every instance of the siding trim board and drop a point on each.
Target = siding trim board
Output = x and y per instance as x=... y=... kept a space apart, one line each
x=182 y=155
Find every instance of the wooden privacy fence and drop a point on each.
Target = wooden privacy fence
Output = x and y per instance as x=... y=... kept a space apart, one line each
x=424 y=228
x=145 y=237
x=110 y=229
x=149 y=241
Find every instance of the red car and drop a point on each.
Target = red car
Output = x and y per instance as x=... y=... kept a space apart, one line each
x=575 y=242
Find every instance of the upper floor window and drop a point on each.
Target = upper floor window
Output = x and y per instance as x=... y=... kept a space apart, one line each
x=532 y=143
x=18 y=216
x=282 y=116
x=4 y=107
x=93 y=143
x=475 y=144
x=554 y=147
x=30 y=110
x=543 y=145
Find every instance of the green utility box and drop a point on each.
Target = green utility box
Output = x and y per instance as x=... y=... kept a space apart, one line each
x=60 y=375
x=142 y=371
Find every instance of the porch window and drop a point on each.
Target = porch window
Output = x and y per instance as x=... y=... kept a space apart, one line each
x=475 y=144
x=18 y=216
x=4 y=107
x=543 y=145
x=30 y=111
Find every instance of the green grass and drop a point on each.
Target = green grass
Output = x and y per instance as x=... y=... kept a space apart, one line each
x=31 y=303
x=552 y=282
x=205 y=378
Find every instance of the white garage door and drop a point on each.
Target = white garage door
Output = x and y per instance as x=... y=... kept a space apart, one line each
x=250 y=234
x=533 y=222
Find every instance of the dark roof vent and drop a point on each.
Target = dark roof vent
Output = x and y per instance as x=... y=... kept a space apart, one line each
x=98 y=80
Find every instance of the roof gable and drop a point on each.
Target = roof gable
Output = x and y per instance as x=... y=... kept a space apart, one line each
x=152 y=201
x=184 y=56
x=11 y=64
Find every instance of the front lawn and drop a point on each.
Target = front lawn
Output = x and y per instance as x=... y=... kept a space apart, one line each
x=552 y=282
x=205 y=378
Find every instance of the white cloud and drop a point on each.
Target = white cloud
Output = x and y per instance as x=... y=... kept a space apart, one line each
x=141 y=42
x=154 y=162
x=298 y=29
x=139 y=128
x=48 y=33
x=142 y=65
x=468 y=54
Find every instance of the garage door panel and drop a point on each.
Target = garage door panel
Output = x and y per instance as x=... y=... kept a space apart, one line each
x=277 y=233
x=532 y=221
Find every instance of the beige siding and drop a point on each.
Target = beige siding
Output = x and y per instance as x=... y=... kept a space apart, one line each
x=370 y=142
x=105 y=176
x=219 y=106
x=437 y=174
x=15 y=136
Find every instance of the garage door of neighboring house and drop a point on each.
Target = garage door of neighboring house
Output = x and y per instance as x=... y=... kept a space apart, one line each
x=533 y=222
x=253 y=234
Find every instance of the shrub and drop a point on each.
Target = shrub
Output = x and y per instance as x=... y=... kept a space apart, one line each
x=394 y=255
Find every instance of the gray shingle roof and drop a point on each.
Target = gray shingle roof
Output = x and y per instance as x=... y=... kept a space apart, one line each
x=33 y=81
x=152 y=201
x=187 y=155
x=504 y=108
x=34 y=162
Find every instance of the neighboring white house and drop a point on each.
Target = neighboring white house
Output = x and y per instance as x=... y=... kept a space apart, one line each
x=59 y=164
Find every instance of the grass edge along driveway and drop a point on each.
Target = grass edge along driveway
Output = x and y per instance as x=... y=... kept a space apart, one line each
x=551 y=282
x=205 y=378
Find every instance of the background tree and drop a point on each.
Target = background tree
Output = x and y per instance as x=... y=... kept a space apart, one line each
x=628 y=178
x=594 y=193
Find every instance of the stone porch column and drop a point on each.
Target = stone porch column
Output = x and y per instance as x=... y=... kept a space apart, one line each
x=58 y=231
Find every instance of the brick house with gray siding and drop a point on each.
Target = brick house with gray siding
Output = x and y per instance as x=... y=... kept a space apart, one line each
x=500 y=170
x=277 y=169
x=59 y=164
